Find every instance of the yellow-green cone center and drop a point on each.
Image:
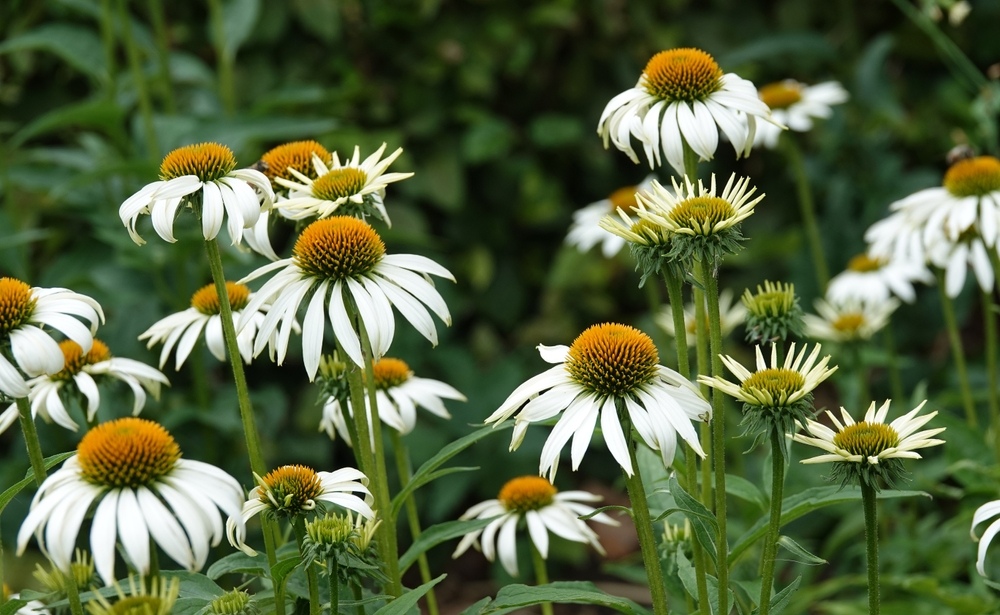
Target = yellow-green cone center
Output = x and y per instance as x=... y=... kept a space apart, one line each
x=206 y=298
x=526 y=493
x=702 y=213
x=337 y=248
x=849 y=323
x=650 y=232
x=230 y=603
x=775 y=299
x=781 y=95
x=863 y=263
x=296 y=155
x=682 y=74
x=330 y=529
x=623 y=198
x=128 y=452
x=866 y=439
x=209 y=161
x=294 y=488
x=75 y=359
x=612 y=359
x=16 y=304
x=339 y=184
x=390 y=373
x=780 y=382
x=137 y=605
x=973 y=176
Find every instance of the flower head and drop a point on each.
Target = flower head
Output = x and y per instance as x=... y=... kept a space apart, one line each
x=204 y=178
x=543 y=508
x=353 y=188
x=984 y=512
x=233 y=602
x=870 y=450
x=183 y=329
x=683 y=98
x=773 y=312
x=293 y=490
x=586 y=230
x=340 y=264
x=398 y=394
x=874 y=279
x=80 y=377
x=775 y=396
x=848 y=321
x=25 y=344
x=158 y=599
x=733 y=314
x=130 y=473
x=609 y=369
x=280 y=161
x=796 y=105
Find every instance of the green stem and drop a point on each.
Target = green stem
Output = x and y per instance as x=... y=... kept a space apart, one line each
x=141 y=89
x=644 y=526
x=701 y=345
x=808 y=210
x=770 y=549
x=957 y=352
x=895 y=378
x=868 y=500
x=227 y=90
x=163 y=54
x=72 y=593
x=690 y=164
x=413 y=518
x=154 y=563
x=380 y=481
x=718 y=434
x=31 y=439
x=541 y=576
x=299 y=527
x=333 y=571
x=990 y=325
x=108 y=41
x=358 y=596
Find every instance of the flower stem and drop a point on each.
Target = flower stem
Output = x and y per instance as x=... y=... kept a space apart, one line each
x=701 y=345
x=358 y=596
x=770 y=549
x=31 y=439
x=541 y=576
x=808 y=210
x=957 y=352
x=380 y=481
x=72 y=593
x=108 y=42
x=868 y=500
x=644 y=524
x=718 y=434
x=299 y=527
x=333 y=571
x=227 y=92
x=990 y=326
x=141 y=89
x=402 y=455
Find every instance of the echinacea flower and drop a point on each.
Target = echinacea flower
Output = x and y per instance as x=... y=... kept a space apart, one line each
x=158 y=598
x=279 y=162
x=204 y=178
x=25 y=344
x=354 y=187
x=129 y=472
x=773 y=312
x=774 y=396
x=870 y=449
x=796 y=105
x=398 y=394
x=984 y=512
x=683 y=98
x=294 y=490
x=340 y=262
x=82 y=374
x=850 y=320
x=869 y=278
x=609 y=368
x=732 y=313
x=543 y=508
x=183 y=329
x=955 y=257
x=586 y=231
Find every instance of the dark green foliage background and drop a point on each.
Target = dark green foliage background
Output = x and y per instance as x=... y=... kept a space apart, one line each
x=496 y=104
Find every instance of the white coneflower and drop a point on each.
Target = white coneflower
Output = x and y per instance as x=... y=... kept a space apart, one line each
x=873 y=279
x=586 y=230
x=796 y=105
x=848 y=321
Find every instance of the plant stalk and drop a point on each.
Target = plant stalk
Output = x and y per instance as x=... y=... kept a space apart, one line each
x=957 y=352
x=770 y=550
x=333 y=571
x=31 y=441
x=541 y=576
x=312 y=580
x=72 y=593
x=868 y=500
x=402 y=455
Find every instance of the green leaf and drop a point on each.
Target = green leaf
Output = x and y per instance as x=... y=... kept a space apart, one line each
x=413 y=485
x=436 y=534
x=488 y=139
x=799 y=553
x=90 y=114
x=195 y=585
x=781 y=599
x=403 y=604
x=239 y=563
x=478 y=608
x=745 y=490
x=78 y=46
x=29 y=478
x=421 y=476
x=555 y=130
x=238 y=19
x=514 y=597
x=11 y=606
x=807 y=501
x=702 y=520
x=281 y=570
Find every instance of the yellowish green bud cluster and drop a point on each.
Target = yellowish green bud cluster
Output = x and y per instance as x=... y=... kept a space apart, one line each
x=773 y=313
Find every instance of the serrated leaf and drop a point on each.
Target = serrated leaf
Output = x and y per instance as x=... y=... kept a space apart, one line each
x=436 y=534
x=403 y=604
x=78 y=46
